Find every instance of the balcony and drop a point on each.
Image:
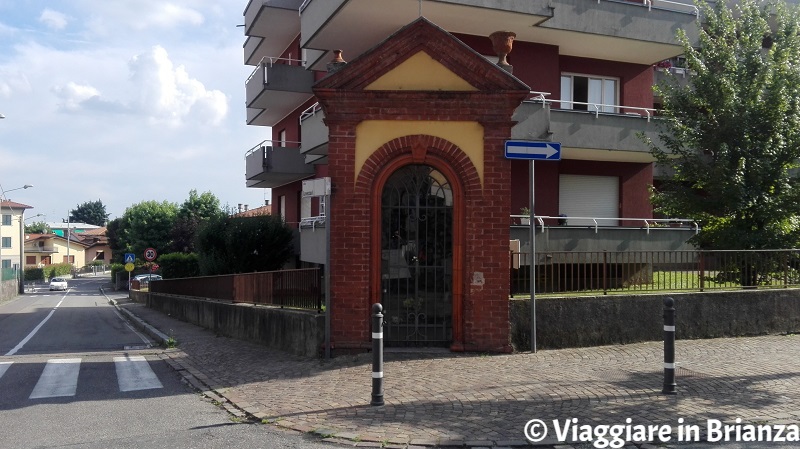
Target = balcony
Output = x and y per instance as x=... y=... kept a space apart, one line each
x=40 y=250
x=635 y=32
x=313 y=132
x=277 y=19
x=270 y=167
x=276 y=88
x=588 y=134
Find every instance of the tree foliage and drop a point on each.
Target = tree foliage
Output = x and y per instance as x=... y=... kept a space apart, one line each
x=731 y=136
x=37 y=227
x=196 y=210
x=243 y=244
x=144 y=225
x=90 y=212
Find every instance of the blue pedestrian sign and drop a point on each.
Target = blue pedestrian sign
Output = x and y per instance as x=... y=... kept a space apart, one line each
x=533 y=150
x=130 y=257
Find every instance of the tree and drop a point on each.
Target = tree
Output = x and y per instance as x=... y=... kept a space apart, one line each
x=145 y=225
x=91 y=212
x=731 y=136
x=37 y=227
x=243 y=244
x=195 y=211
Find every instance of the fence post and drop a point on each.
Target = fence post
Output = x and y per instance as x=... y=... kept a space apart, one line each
x=669 y=346
x=605 y=272
x=702 y=271
x=377 y=354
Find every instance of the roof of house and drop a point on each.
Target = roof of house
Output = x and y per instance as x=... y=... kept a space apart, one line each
x=14 y=205
x=263 y=210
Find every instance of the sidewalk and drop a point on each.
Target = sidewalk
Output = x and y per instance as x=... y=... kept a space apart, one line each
x=486 y=400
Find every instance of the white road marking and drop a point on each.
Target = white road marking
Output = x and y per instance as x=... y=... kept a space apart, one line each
x=4 y=366
x=59 y=378
x=36 y=329
x=134 y=373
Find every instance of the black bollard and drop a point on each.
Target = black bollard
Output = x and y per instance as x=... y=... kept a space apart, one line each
x=377 y=354
x=669 y=347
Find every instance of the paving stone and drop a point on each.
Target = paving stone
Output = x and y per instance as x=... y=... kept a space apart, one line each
x=439 y=397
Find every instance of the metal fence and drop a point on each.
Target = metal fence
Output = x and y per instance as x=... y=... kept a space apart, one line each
x=300 y=289
x=606 y=272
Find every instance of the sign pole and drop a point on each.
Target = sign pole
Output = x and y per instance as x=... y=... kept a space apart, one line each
x=532 y=230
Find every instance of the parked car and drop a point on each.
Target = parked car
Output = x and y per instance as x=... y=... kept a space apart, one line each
x=58 y=284
x=143 y=279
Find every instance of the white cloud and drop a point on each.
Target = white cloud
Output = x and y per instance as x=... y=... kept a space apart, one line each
x=73 y=94
x=169 y=93
x=53 y=19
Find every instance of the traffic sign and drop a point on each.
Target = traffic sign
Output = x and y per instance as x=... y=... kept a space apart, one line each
x=150 y=254
x=129 y=266
x=533 y=150
x=130 y=258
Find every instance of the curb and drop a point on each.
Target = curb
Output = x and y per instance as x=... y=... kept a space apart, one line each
x=140 y=324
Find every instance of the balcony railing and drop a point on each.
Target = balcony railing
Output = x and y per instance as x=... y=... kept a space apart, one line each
x=598 y=222
x=596 y=108
x=606 y=272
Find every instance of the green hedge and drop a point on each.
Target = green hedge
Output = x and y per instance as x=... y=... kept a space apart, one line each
x=33 y=273
x=179 y=265
x=116 y=268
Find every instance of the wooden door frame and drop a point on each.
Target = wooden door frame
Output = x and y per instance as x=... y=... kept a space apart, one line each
x=458 y=237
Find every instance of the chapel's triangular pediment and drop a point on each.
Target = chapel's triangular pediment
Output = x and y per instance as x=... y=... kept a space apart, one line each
x=421 y=56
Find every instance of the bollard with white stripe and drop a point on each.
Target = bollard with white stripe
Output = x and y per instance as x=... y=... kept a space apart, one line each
x=669 y=347
x=377 y=354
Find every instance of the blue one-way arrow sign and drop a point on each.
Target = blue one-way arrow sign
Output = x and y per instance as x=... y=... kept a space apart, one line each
x=531 y=149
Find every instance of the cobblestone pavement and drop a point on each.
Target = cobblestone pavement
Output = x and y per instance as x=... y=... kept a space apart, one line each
x=446 y=399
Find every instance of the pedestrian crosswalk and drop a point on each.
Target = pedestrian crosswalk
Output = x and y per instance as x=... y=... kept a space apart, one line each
x=60 y=376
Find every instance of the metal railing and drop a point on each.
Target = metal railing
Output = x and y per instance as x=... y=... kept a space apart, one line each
x=596 y=108
x=604 y=272
x=271 y=60
x=563 y=220
x=281 y=144
x=301 y=289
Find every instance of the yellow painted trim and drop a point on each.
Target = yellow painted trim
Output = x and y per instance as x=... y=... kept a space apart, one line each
x=421 y=72
x=372 y=134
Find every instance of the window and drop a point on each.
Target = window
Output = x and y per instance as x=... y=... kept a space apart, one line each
x=30 y=260
x=6 y=220
x=71 y=259
x=282 y=138
x=6 y=242
x=282 y=201
x=6 y=263
x=583 y=92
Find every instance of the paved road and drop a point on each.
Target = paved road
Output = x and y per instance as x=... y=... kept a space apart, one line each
x=74 y=373
x=486 y=400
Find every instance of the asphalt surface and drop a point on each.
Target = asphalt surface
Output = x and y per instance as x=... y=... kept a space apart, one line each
x=438 y=398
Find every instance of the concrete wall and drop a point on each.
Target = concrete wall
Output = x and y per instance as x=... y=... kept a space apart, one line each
x=295 y=331
x=593 y=321
x=8 y=289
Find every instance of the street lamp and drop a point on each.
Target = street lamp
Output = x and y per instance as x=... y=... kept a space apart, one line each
x=21 y=236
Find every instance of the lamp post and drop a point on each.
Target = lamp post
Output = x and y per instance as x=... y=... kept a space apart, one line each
x=21 y=283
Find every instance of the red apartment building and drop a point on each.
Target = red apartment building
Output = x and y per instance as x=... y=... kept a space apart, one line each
x=411 y=132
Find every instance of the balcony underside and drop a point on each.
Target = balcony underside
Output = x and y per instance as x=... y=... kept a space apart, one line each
x=270 y=167
x=278 y=19
x=609 y=30
x=275 y=90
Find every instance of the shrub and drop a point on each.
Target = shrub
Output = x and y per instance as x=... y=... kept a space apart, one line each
x=179 y=265
x=34 y=274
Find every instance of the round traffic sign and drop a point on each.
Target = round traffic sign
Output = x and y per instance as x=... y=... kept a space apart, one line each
x=150 y=254
x=128 y=266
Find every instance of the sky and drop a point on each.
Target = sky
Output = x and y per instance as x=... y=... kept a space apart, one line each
x=123 y=101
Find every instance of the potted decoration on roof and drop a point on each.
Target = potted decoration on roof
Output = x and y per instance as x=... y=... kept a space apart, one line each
x=502 y=41
x=526 y=221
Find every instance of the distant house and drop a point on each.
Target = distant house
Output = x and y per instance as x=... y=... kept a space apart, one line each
x=11 y=219
x=46 y=249
x=245 y=212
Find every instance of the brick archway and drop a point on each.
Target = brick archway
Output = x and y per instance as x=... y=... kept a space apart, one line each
x=451 y=161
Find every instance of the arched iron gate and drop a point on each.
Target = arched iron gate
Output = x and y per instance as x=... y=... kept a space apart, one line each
x=416 y=257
